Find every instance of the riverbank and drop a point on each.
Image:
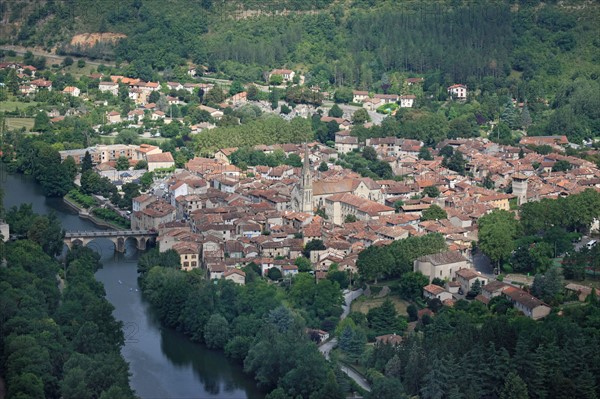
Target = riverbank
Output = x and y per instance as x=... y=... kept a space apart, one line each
x=84 y=214
x=156 y=356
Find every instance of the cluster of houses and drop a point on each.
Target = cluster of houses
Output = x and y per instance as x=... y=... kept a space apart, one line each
x=105 y=156
x=220 y=219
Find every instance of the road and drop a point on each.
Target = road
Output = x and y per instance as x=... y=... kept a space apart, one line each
x=39 y=53
x=349 y=296
x=326 y=348
x=350 y=109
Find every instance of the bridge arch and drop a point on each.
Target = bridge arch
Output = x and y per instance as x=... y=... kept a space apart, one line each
x=118 y=237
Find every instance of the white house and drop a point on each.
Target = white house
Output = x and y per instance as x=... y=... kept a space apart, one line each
x=286 y=74
x=467 y=277
x=458 y=91
x=359 y=96
x=111 y=87
x=72 y=91
x=407 y=101
x=435 y=291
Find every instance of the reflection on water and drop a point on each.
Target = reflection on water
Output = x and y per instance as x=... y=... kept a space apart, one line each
x=163 y=363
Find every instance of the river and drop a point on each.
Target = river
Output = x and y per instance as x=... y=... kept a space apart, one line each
x=162 y=362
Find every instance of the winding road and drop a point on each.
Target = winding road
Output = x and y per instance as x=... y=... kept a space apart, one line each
x=349 y=296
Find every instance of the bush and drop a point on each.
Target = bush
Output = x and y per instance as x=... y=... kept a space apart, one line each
x=387 y=108
x=111 y=216
x=80 y=63
x=506 y=268
x=81 y=199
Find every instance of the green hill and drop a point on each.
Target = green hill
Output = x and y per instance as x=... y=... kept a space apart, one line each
x=526 y=49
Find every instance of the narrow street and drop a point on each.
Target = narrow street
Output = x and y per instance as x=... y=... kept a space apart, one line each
x=326 y=348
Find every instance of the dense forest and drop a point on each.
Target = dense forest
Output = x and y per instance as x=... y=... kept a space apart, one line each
x=58 y=338
x=470 y=351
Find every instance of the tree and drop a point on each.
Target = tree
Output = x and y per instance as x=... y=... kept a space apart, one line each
x=386 y=388
x=67 y=61
x=303 y=264
x=413 y=312
x=431 y=191
x=323 y=167
x=447 y=151
x=350 y=219
x=548 y=286
x=41 y=122
x=335 y=111
x=236 y=87
x=80 y=63
x=383 y=319
x=343 y=95
x=352 y=343
x=313 y=245
x=141 y=164
x=411 y=285
x=214 y=96
x=434 y=212
x=253 y=93
x=122 y=163
x=425 y=154
x=360 y=116
x=510 y=116
x=70 y=167
x=561 y=166
x=456 y=163
x=274 y=274
x=276 y=80
x=154 y=97
x=146 y=180
x=497 y=231
x=285 y=109
x=514 y=387
x=216 y=332
x=475 y=289
x=127 y=136
x=526 y=117
x=375 y=262
x=369 y=153
x=86 y=163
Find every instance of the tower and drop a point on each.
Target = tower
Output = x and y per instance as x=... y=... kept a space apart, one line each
x=519 y=187
x=302 y=194
x=306 y=191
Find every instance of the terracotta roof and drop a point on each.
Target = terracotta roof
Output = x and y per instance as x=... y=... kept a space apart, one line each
x=434 y=289
x=443 y=258
x=162 y=157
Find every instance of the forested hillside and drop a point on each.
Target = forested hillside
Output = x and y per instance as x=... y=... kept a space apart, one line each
x=545 y=54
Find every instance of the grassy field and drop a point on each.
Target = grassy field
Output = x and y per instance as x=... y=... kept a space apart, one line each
x=363 y=304
x=12 y=105
x=18 y=123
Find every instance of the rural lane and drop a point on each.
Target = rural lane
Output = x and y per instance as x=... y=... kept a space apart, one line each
x=349 y=296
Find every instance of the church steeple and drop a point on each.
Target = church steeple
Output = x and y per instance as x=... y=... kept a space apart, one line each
x=306 y=174
x=302 y=197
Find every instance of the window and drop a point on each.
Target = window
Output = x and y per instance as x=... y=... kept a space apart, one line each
x=186 y=264
x=194 y=264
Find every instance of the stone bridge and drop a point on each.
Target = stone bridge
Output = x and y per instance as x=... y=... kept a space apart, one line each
x=118 y=237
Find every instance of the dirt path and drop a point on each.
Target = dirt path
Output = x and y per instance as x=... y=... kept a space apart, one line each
x=40 y=53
